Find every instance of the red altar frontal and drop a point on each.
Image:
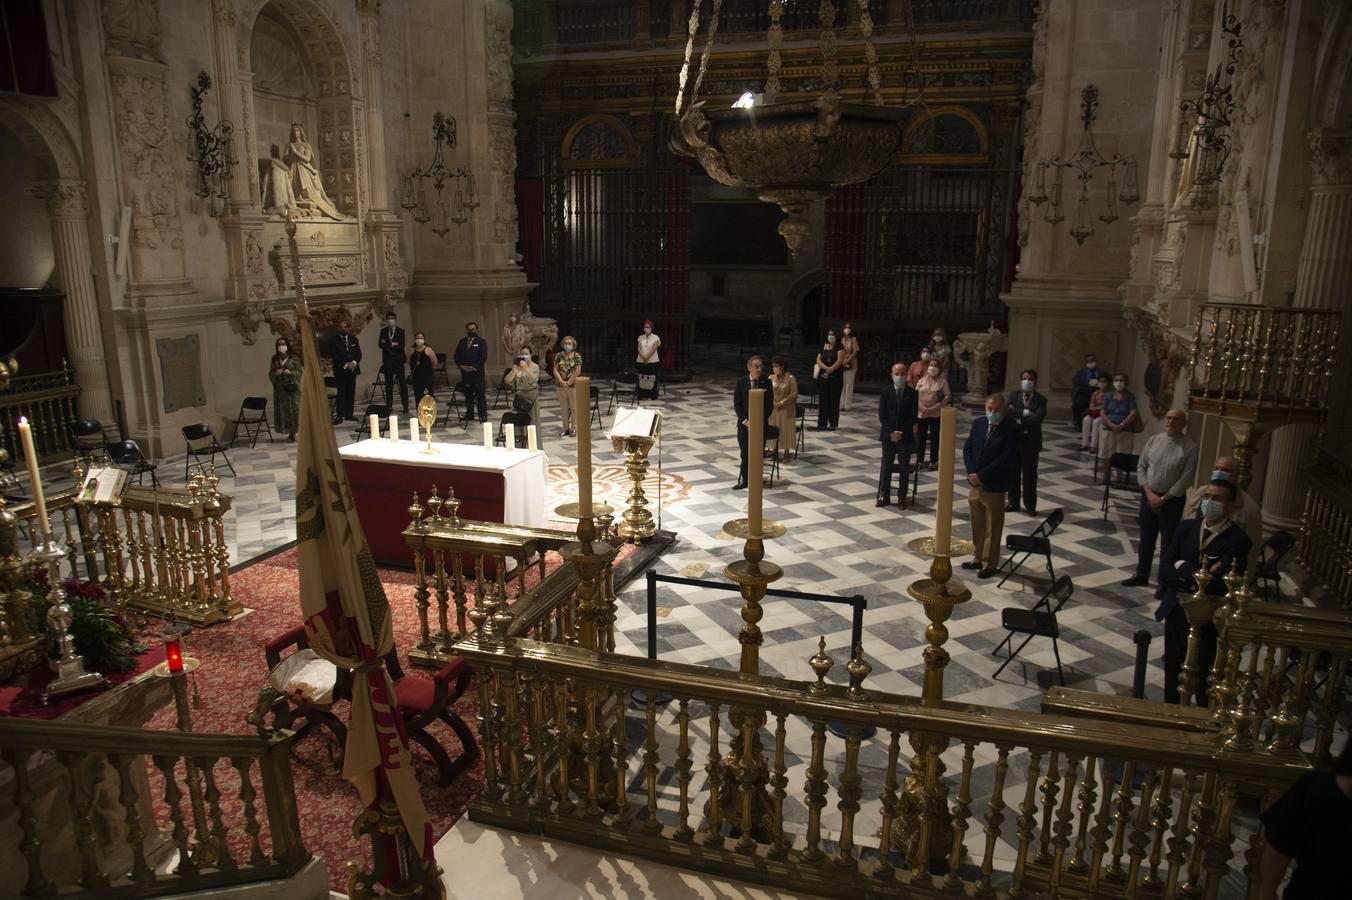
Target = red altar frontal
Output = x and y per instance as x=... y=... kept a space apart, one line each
x=492 y=484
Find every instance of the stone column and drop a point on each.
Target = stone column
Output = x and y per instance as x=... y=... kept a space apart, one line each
x=382 y=220
x=226 y=84
x=1324 y=279
x=74 y=267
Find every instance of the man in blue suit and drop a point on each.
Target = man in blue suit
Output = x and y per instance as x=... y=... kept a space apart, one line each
x=471 y=355
x=897 y=407
x=989 y=458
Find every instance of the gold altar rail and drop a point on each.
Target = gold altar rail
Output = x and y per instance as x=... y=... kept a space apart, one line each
x=262 y=849
x=159 y=551
x=462 y=564
x=1090 y=807
x=1325 y=548
x=47 y=400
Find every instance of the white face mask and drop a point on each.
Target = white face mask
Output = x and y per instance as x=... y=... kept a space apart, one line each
x=830 y=339
x=933 y=371
x=1212 y=509
x=847 y=331
x=281 y=348
x=925 y=355
x=1119 y=385
x=419 y=341
x=525 y=357
x=647 y=331
x=898 y=379
x=1026 y=384
x=567 y=348
x=938 y=340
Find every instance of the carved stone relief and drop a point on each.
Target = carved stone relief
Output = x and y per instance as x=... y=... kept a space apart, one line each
x=498 y=28
x=1032 y=120
x=1330 y=155
x=253 y=254
x=132 y=28
x=502 y=148
x=141 y=110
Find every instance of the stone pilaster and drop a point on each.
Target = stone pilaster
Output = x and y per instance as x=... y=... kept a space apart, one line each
x=1324 y=280
x=383 y=227
x=74 y=267
x=226 y=81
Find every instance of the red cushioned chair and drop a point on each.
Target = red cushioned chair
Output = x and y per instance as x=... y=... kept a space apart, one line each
x=423 y=701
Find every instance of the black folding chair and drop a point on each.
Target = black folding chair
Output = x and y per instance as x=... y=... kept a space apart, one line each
x=630 y=382
x=377 y=386
x=439 y=376
x=127 y=455
x=253 y=418
x=518 y=421
x=771 y=435
x=201 y=442
x=87 y=440
x=595 y=402
x=504 y=387
x=1121 y=478
x=910 y=471
x=1039 y=542
x=800 y=438
x=1267 y=572
x=382 y=414
x=1040 y=621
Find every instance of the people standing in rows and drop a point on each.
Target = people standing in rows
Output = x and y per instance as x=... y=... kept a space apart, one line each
x=567 y=366
x=741 y=405
x=1117 y=425
x=898 y=404
x=646 y=363
x=784 y=414
x=1027 y=409
x=1167 y=466
x=849 y=355
x=934 y=394
x=918 y=368
x=471 y=356
x=421 y=361
x=1244 y=511
x=1090 y=424
x=392 y=360
x=830 y=382
x=1082 y=387
x=284 y=373
x=1213 y=539
x=940 y=350
x=525 y=377
x=346 y=368
x=988 y=456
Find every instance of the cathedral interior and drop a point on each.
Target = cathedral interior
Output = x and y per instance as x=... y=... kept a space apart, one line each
x=616 y=601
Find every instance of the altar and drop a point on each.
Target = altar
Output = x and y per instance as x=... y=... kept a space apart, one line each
x=492 y=484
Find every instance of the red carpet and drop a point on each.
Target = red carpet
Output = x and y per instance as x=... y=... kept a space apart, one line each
x=232 y=672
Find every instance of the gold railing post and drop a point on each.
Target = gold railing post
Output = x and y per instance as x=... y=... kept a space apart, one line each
x=1200 y=610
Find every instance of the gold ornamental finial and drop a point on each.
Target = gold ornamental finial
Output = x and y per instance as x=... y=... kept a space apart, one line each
x=858 y=667
x=821 y=664
x=415 y=512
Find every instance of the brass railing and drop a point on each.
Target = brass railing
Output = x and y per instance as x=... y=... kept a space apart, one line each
x=47 y=400
x=159 y=550
x=461 y=566
x=82 y=794
x=1089 y=807
x=1325 y=548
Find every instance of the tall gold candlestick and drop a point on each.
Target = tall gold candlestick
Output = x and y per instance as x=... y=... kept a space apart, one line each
x=30 y=454
x=943 y=529
x=582 y=403
x=755 y=458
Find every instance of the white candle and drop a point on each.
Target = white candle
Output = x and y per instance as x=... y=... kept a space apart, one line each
x=755 y=459
x=394 y=428
x=374 y=425
x=582 y=404
x=413 y=430
x=530 y=438
x=943 y=529
x=30 y=455
x=488 y=436
x=509 y=432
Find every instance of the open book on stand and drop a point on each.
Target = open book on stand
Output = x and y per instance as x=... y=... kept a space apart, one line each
x=103 y=485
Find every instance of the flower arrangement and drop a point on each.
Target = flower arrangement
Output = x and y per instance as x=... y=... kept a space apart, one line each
x=101 y=636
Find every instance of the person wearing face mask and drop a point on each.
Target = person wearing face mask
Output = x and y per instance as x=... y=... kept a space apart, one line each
x=939 y=349
x=567 y=366
x=784 y=411
x=1081 y=389
x=1167 y=466
x=1210 y=539
x=830 y=382
x=471 y=356
x=849 y=355
x=1118 y=424
x=421 y=362
x=918 y=368
x=392 y=359
x=988 y=457
x=525 y=376
x=934 y=394
x=284 y=372
x=1244 y=512
x=1027 y=408
x=646 y=362
x=346 y=368
x=741 y=405
x=897 y=406
x=1090 y=426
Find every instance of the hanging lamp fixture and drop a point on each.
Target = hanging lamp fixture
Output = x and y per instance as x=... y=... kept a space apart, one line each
x=1204 y=126
x=463 y=200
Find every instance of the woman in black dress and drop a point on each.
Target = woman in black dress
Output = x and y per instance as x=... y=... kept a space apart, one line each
x=830 y=381
x=421 y=360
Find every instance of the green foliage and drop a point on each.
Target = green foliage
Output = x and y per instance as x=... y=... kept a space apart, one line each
x=104 y=640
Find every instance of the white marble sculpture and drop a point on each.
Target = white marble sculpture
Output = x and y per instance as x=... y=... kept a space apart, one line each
x=277 y=197
x=307 y=188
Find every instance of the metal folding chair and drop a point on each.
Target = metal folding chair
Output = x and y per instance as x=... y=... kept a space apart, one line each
x=1038 y=542
x=253 y=418
x=1040 y=621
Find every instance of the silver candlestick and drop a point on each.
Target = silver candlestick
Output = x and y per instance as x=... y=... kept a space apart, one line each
x=68 y=668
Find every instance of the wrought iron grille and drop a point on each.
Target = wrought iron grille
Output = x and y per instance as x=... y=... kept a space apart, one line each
x=595 y=23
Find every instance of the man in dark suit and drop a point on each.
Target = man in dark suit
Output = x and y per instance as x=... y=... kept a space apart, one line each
x=392 y=360
x=897 y=408
x=989 y=458
x=471 y=355
x=741 y=405
x=1027 y=409
x=1210 y=538
x=1081 y=390
x=346 y=368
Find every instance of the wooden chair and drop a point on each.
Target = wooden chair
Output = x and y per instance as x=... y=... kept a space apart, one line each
x=303 y=688
x=424 y=700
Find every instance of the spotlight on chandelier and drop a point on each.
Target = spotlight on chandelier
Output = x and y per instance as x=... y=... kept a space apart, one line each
x=1083 y=163
x=464 y=199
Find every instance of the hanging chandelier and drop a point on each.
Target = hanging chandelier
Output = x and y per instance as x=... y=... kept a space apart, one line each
x=790 y=152
x=1205 y=122
x=463 y=200
x=1082 y=164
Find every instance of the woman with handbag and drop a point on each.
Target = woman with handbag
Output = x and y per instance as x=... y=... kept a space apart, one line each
x=285 y=376
x=830 y=382
x=525 y=377
x=1119 y=423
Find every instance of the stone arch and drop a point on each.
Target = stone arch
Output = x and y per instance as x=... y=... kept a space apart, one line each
x=1332 y=97
x=959 y=138
x=598 y=141
x=340 y=137
x=45 y=135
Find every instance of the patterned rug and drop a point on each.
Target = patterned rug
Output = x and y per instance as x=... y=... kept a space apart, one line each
x=611 y=485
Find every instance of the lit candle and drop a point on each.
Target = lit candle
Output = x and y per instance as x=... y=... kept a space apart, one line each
x=943 y=529
x=394 y=428
x=30 y=455
x=530 y=438
x=173 y=650
x=488 y=436
x=582 y=403
x=375 y=426
x=509 y=433
x=755 y=458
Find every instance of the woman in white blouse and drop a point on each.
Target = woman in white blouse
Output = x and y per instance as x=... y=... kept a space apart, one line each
x=934 y=396
x=646 y=363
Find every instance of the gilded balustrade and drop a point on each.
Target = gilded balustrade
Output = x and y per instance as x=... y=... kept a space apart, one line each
x=160 y=551
x=1325 y=547
x=102 y=818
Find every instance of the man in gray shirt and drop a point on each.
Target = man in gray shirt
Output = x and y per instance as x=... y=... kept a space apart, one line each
x=1166 y=470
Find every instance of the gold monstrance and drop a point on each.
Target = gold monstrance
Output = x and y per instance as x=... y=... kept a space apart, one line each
x=427 y=416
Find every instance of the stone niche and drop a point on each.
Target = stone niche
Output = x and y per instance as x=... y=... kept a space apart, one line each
x=330 y=253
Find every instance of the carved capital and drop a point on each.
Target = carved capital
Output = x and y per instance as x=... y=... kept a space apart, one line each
x=1330 y=155
x=65 y=198
x=224 y=10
